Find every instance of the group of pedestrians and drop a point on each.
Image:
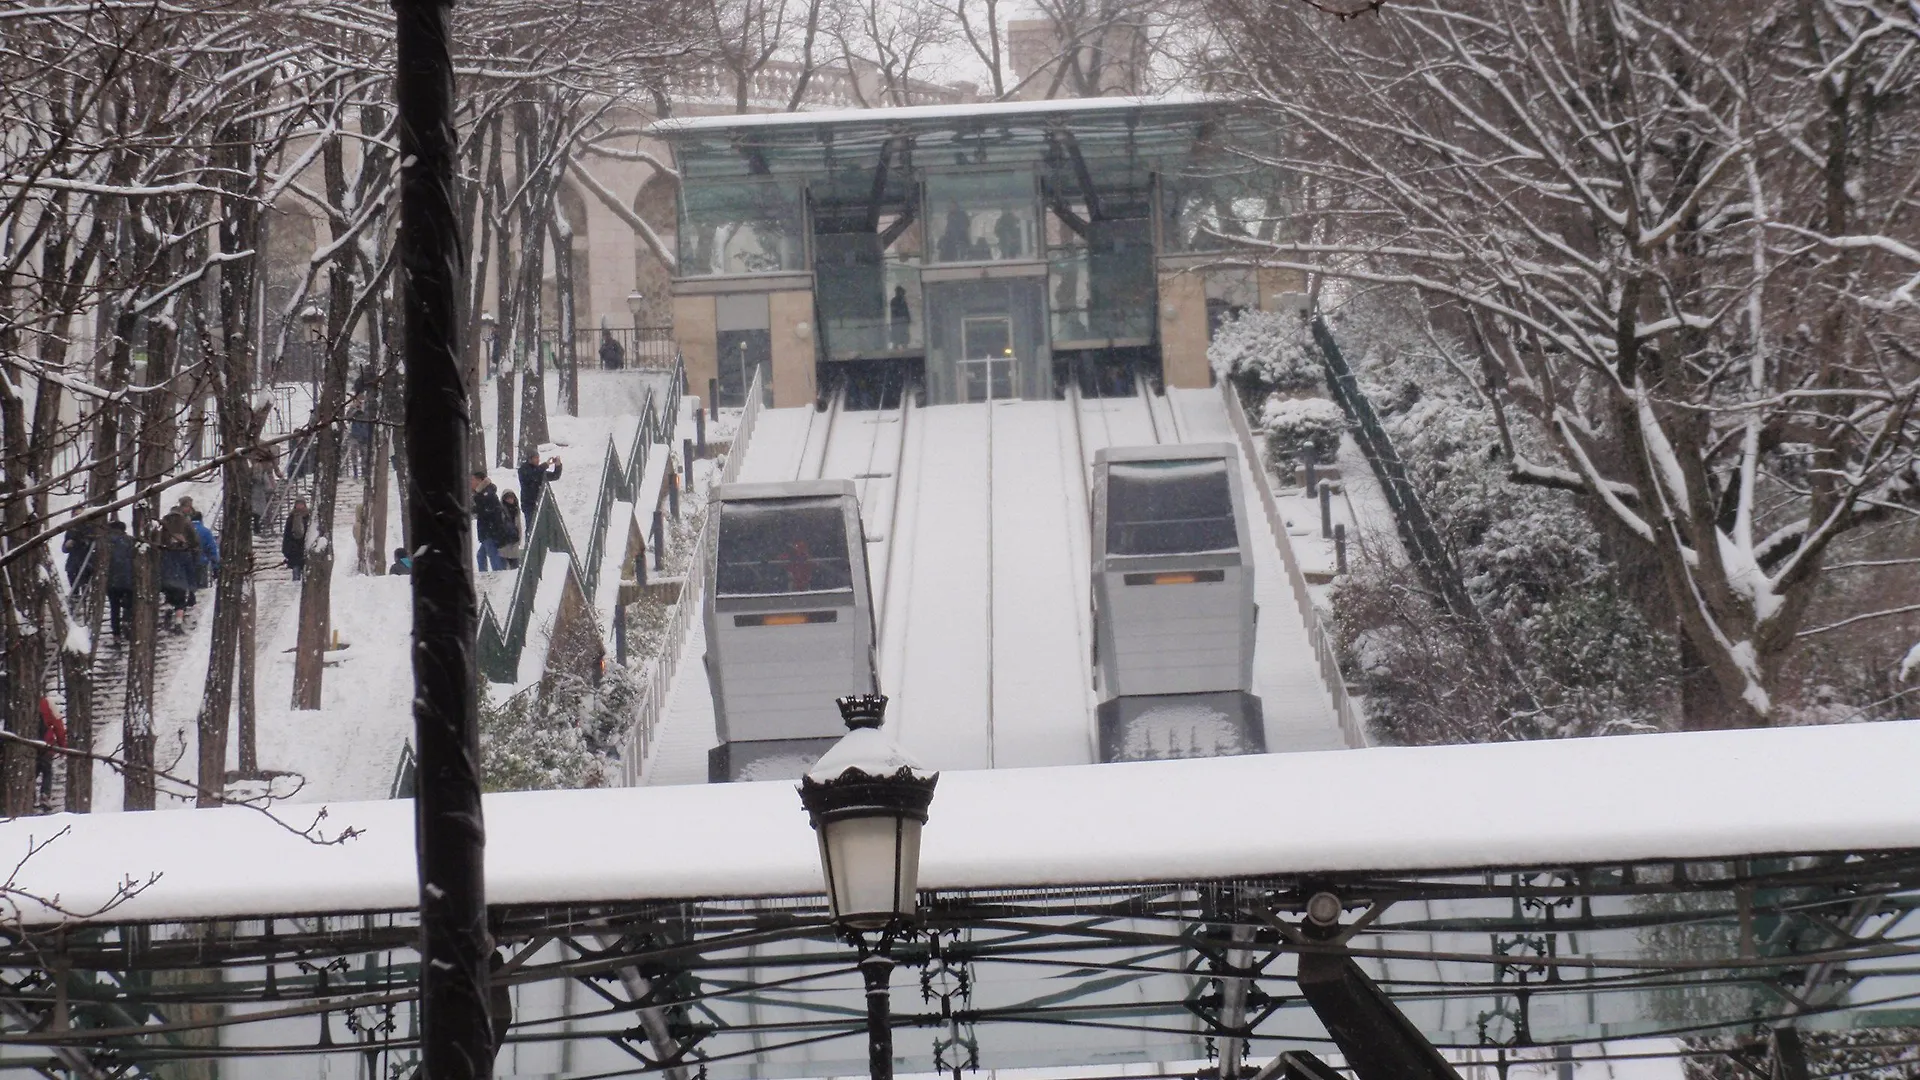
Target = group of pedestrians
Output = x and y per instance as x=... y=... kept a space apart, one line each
x=503 y=520
x=189 y=561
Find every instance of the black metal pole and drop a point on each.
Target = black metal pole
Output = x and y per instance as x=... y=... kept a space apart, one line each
x=456 y=1036
x=878 y=971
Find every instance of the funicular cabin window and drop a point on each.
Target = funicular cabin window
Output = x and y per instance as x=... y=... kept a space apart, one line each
x=782 y=546
x=1169 y=508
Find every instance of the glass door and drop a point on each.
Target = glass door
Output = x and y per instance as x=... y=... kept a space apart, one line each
x=986 y=362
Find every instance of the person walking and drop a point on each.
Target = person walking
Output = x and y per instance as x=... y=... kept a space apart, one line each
x=612 y=355
x=119 y=559
x=293 y=538
x=260 y=487
x=402 y=564
x=177 y=550
x=208 y=564
x=900 y=319
x=486 y=523
x=535 y=475
x=78 y=545
x=53 y=733
x=511 y=539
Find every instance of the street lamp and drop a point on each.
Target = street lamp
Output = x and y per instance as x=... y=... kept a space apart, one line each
x=867 y=800
x=636 y=303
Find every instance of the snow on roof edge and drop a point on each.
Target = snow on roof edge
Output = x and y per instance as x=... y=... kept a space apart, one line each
x=1694 y=795
x=687 y=124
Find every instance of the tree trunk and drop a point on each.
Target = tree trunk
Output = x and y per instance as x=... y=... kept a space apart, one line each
x=505 y=332
x=239 y=426
x=562 y=233
x=155 y=457
x=249 y=650
x=26 y=651
x=535 y=214
x=457 y=1032
x=476 y=216
x=316 y=585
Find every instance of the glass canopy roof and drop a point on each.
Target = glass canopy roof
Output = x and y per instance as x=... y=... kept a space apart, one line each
x=1133 y=137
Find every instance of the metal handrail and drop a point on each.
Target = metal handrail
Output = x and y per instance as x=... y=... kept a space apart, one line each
x=503 y=636
x=1423 y=543
x=1317 y=634
x=653 y=702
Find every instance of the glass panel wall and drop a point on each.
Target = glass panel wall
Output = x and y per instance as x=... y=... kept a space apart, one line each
x=986 y=339
x=867 y=285
x=1202 y=209
x=982 y=216
x=749 y=227
x=1101 y=282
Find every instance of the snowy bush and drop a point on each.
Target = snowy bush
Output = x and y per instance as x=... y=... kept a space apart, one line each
x=1262 y=352
x=562 y=733
x=1293 y=425
x=1564 y=645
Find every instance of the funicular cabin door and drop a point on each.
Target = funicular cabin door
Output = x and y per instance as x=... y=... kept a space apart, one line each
x=987 y=358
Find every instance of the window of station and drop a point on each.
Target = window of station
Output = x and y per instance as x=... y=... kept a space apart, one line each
x=740 y=228
x=1169 y=508
x=982 y=216
x=782 y=546
x=867 y=280
x=1100 y=267
x=1202 y=210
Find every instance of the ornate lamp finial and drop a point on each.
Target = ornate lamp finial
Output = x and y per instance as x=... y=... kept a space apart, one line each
x=863 y=710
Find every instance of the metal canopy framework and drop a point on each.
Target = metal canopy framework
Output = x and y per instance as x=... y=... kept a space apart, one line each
x=1164 y=972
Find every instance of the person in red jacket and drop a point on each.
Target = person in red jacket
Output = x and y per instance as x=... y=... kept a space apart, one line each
x=53 y=733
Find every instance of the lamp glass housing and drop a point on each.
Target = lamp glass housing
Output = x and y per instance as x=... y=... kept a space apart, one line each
x=872 y=865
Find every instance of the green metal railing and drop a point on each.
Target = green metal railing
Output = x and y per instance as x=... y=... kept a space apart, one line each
x=503 y=635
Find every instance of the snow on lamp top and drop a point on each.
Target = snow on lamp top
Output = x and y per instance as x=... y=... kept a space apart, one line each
x=867 y=748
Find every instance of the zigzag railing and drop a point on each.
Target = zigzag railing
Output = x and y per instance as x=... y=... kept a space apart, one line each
x=503 y=636
x=1416 y=529
x=660 y=671
x=1317 y=633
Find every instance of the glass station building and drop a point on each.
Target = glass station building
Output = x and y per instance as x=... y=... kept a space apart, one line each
x=988 y=251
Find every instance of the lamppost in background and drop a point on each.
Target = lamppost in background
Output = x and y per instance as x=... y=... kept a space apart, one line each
x=637 y=308
x=315 y=321
x=867 y=800
x=489 y=340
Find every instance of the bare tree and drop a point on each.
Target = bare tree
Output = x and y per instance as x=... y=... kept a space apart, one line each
x=1685 y=237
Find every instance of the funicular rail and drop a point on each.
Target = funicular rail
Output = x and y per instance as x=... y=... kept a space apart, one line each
x=661 y=670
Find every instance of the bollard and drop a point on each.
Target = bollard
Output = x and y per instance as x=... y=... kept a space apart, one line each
x=700 y=432
x=1340 y=549
x=640 y=564
x=1307 y=462
x=713 y=399
x=620 y=632
x=686 y=460
x=659 y=539
x=1326 y=510
x=673 y=494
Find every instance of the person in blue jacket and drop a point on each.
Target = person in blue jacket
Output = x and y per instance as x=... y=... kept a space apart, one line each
x=209 y=563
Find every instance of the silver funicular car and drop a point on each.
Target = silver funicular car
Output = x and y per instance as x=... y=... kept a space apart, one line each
x=789 y=622
x=1173 y=603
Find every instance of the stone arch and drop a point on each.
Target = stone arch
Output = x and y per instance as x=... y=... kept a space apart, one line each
x=574 y=208
x=657 y=203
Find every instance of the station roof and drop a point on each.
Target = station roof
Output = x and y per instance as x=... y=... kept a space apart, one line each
x=1703 y=795
x=929 y=117
x=1156 y=131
